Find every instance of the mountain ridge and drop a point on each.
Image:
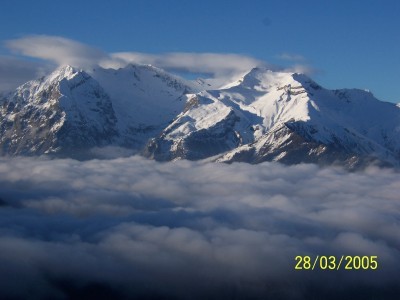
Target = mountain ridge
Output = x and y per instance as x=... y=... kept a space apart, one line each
x=265 y=101
x=263 y=116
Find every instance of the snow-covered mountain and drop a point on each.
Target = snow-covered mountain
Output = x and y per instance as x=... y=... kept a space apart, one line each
x=263 y=116
x=70 y=111
x=61 y=113
x=283 y=117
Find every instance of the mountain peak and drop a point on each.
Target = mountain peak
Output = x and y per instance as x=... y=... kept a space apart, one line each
x=261 y=78
x=65 y=71
x=282 y=116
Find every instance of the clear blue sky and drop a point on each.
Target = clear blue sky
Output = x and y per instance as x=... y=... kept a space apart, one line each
x=348 y=43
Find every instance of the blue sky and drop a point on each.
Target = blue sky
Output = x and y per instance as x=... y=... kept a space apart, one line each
x=343 y=43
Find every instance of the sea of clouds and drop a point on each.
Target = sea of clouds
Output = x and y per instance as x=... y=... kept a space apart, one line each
x=135 y=228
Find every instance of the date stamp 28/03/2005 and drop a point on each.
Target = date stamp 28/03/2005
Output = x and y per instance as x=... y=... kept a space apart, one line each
x=332 y=262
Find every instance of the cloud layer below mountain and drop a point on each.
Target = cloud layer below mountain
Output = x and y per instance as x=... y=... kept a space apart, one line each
x=133 y=227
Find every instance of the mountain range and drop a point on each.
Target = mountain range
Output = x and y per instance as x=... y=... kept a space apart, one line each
x=262 y=116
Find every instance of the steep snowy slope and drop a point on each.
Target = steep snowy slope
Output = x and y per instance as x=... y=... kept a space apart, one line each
x=62 y=113
x=145 y=99
x=285 y=117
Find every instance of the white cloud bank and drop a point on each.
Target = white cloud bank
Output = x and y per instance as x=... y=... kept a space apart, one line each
x=188 y=230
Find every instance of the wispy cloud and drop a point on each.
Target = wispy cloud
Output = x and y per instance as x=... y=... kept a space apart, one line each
x=63 y=51
x=291 y=57
x=298 y=63
x=218 y=64
x=193 y=229
x=59 y=50
x=49 y=52
x=14 y=71
x=56 y=50
x=302 y=68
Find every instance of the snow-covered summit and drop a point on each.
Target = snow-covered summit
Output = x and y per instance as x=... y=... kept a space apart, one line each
x=79 y=109
x=63 y=112
x=264 y=112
